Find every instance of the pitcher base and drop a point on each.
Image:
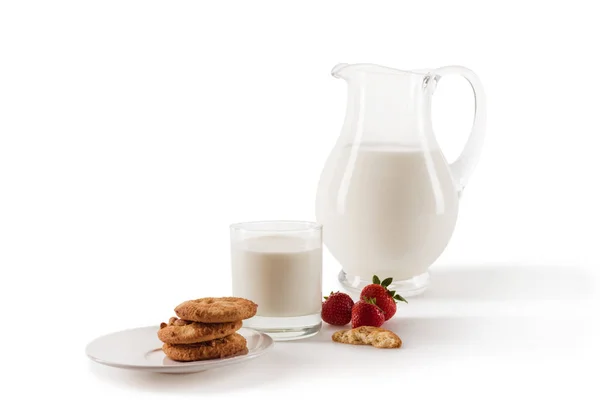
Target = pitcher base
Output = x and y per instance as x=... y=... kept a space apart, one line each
x=407 y=288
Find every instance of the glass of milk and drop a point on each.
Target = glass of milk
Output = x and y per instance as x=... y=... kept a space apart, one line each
x=278 y=265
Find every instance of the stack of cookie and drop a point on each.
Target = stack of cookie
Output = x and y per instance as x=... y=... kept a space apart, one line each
x=206 y=329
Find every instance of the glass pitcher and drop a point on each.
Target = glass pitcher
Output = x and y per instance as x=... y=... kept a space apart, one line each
x=387 y=198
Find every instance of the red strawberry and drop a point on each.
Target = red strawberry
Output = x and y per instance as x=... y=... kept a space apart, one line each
x=337 y=309
x=366 y=313
x=386 y=299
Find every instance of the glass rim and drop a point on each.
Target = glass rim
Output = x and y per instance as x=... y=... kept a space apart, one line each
x=297 y=226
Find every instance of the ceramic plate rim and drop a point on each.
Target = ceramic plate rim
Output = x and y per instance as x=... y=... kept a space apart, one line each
x=182 y=366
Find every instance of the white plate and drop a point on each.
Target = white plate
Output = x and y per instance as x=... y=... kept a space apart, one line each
x=140 y=349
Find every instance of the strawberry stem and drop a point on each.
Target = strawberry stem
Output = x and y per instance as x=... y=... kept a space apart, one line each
x=373 y=301
x=370 y=300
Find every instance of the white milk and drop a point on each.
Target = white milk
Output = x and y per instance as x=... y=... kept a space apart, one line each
x=386 y=210
x=278 y=273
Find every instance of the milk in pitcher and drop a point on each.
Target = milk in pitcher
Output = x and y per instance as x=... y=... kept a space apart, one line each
x=387 y=209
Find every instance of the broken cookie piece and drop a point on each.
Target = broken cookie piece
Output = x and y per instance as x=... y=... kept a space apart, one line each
x=368 y=335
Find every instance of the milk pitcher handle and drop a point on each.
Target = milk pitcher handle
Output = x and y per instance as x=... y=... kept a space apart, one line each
x=464 y=165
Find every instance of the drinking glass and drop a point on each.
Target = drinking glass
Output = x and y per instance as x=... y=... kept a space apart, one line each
x=278 y=265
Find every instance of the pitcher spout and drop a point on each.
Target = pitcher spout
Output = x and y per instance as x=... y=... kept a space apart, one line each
x=338 y=70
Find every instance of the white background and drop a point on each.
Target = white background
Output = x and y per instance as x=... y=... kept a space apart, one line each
x=132 y=133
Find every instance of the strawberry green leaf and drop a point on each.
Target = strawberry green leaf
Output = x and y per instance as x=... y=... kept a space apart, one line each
x=370 y=300
x=386 y=282
x=376 y=280
x=400 y=298
x=392 y=293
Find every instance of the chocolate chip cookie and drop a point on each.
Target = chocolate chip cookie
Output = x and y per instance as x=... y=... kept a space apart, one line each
x=212 y=310
x=179 y=331
x=228 y=346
